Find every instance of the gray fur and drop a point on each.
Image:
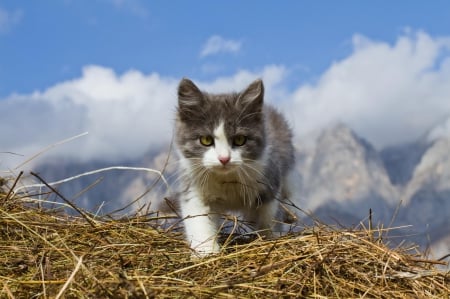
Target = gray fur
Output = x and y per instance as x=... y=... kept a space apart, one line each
x=269 y=144
x=200 y=112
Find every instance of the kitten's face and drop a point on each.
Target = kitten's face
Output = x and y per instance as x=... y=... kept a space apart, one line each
x=221 y=132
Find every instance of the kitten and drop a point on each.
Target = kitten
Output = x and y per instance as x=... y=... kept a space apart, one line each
x=235 y=155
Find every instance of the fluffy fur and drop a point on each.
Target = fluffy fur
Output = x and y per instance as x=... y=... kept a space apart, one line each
x=235 y=155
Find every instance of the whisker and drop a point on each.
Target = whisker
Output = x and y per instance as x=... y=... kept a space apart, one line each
x=204 y=179
x=243 y=187
x=195 y=171
x=250 y=185
x=262 y=179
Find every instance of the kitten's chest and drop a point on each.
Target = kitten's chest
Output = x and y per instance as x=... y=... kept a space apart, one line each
x=231 y=193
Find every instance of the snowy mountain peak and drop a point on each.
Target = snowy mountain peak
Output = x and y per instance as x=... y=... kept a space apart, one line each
x=442 y=130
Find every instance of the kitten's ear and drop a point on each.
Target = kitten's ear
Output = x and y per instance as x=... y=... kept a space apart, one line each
x=253 y=96
x=189 y=96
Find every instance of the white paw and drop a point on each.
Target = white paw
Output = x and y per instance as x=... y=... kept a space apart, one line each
x=205 y=249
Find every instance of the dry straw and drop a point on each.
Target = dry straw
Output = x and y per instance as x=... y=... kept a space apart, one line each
x=45 y=253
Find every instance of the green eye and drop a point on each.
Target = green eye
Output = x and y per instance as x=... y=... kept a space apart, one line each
x=239 y=140
x=206 y=140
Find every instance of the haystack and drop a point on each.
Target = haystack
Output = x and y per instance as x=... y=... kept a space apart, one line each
x=47 y=253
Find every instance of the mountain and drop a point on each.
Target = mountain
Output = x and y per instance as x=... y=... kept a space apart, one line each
x=116 y=188
x=344 y=178
x=401 y=160
x=341 y=176
x=427 y=195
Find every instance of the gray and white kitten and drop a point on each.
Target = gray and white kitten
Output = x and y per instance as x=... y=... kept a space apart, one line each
x=236 y=154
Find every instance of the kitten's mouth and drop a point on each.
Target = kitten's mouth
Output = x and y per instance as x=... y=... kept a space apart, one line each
x=223 y=169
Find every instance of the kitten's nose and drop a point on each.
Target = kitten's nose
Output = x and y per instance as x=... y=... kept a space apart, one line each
x=224 y=159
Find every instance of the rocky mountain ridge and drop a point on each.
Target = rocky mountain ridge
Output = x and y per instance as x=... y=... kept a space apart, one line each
x=344 y=176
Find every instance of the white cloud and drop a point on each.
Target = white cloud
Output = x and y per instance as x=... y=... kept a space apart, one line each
x=272 y=76
x=126 y=115
x=387 y=93
x=441 y=130
x=217 y=44
x=9 y=19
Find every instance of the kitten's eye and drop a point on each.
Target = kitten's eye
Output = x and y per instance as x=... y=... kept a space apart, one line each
x=239 y=140
x=206 y=140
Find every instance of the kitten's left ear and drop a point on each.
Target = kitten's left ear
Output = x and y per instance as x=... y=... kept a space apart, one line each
x=190 y=100
x=253 y=96
x=188 y=94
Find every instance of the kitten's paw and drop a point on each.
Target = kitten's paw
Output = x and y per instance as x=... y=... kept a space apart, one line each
x=266 y=234
x=205 y=249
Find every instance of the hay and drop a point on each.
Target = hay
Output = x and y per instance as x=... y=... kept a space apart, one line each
x=45 y=253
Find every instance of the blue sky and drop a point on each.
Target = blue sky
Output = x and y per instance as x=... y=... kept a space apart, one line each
x=51 y=41
x=111 y=67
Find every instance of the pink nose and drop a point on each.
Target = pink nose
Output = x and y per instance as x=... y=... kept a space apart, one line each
x=224 y=160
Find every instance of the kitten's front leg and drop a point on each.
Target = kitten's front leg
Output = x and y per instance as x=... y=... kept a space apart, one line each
x=201 y=226
x=263 y=217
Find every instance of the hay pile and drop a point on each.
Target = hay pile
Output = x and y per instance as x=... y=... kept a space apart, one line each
x=46 y=254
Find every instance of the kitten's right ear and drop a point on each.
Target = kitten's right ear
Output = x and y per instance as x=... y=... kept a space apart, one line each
x=189 y=96
x=253 y=97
